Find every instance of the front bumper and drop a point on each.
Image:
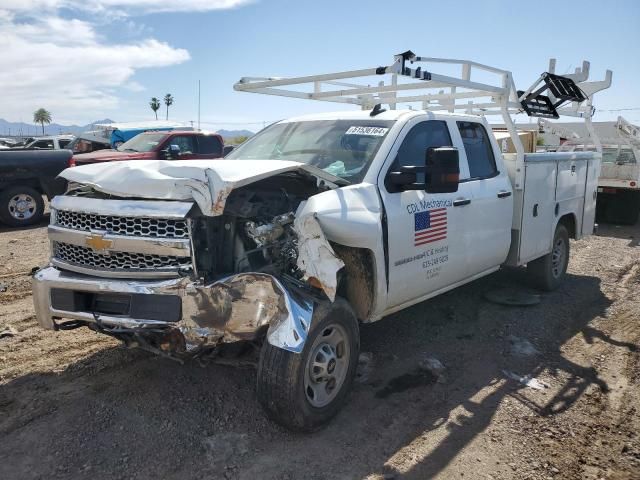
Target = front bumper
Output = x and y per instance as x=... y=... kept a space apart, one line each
x=239 y=307
x=50 y=278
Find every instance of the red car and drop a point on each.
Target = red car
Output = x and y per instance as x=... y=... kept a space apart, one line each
x=172 y=145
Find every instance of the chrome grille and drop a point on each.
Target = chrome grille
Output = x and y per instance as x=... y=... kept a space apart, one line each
x=122 y=261
x=133 y=226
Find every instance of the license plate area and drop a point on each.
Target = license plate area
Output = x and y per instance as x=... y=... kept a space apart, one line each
x=166 y=308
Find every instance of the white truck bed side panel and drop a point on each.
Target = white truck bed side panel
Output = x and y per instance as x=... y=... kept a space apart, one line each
x=555 y=185
x=537 y=211
x=570 y=190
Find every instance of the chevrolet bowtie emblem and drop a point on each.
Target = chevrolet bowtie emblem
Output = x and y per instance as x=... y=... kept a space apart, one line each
x=97 y=242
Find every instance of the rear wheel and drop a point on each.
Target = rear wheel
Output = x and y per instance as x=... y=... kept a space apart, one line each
x=303 y=391
x=21 y=206
x=548 y=272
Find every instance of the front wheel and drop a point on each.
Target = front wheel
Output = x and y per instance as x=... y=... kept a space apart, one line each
x=21 y=206
x=303 y=391
x=549 y=271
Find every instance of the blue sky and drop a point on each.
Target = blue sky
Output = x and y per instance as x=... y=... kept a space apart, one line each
x=143 y=53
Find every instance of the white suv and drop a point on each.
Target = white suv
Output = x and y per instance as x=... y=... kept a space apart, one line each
x=56 y=142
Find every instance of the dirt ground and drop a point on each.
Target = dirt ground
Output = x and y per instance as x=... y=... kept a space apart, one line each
x=77 y=405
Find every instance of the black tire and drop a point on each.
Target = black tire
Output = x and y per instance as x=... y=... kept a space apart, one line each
x=548 y=272
x=9 y=215
x=281 y=386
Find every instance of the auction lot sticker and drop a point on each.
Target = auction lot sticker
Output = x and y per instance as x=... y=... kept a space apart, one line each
x=372 y=131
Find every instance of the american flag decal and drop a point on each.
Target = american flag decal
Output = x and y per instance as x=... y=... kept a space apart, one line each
x=430 y=226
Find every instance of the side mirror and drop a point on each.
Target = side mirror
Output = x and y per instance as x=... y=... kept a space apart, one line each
x=227 y=149
x=404 y=178
x=442 y=170
x=171 y=152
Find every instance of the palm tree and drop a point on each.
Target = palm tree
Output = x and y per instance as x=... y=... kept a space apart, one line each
x=42 y=116
x=155 y=105
x=168 y=100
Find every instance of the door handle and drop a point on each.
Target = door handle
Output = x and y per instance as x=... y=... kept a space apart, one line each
x=461 y=201
x=503 y=194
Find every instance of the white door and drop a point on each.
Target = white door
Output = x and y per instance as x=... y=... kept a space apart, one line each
x=425 y=232
x=491 y=204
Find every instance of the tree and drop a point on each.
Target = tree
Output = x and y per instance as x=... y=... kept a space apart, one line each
x=155 y=105
x=238 y=140
x=42 y=116
x=168 y=101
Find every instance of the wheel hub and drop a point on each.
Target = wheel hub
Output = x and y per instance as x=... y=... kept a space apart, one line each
x=327 y=366
x=22 y=206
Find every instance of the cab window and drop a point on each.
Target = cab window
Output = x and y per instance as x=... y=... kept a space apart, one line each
x=413 y=150
x=482 y=163
x=44 y=144
x=184 y=142
x=209 y=144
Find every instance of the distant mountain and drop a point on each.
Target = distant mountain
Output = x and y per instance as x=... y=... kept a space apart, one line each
x=29 y=129
x=235 y=133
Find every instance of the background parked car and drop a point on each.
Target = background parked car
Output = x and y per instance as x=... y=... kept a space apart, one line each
x=55 y=142
x=88 y=142
x=173 y=145
x=118 y=133
x=7 y=143
x=26 y=175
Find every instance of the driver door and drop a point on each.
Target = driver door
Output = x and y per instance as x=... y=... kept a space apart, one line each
x=426 y=239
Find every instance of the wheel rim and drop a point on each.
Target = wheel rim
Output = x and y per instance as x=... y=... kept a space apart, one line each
x=327 y=366
x=558 y=257
x=22 y=206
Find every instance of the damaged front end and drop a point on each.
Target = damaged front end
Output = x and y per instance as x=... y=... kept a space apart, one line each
x=177 y=278
x=183 y=317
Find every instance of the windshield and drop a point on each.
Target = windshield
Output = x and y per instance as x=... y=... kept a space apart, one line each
x=343 y=148
x=145 y=142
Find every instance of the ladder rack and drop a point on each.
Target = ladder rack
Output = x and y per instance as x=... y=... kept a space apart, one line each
x=411 y=79
x=628 y=130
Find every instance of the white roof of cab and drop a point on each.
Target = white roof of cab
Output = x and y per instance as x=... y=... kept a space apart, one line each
x=386 y=115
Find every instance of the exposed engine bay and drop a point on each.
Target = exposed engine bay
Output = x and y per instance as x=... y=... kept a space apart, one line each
x=255 y=233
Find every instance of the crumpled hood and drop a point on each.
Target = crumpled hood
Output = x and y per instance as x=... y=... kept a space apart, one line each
x=207 y=182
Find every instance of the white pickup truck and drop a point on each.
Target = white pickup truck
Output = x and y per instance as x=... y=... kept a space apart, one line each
x=619 y=183
x=313 y=226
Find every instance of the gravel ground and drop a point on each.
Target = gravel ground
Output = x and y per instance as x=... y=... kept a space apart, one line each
x=77 y=405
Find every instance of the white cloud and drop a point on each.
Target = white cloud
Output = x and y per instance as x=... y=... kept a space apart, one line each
x=55 y=29
x=63 y=66
x=66 y=66
x=125 y=6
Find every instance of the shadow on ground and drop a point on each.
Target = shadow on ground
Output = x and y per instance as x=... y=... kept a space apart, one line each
x=625 y=232
x=44 y=221
x=119 y=412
